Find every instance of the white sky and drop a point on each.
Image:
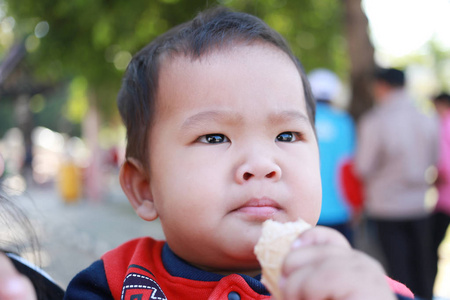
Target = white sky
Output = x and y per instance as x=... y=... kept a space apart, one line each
x=400 y=27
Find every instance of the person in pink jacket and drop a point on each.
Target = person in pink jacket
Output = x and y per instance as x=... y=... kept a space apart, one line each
x=441 y=217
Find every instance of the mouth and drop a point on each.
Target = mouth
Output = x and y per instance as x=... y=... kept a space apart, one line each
x=259 y=209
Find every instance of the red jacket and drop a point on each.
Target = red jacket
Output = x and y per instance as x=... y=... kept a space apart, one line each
x=135 y=270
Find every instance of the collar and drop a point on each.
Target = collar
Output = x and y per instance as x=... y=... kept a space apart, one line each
x=180 y=268
x=321 y=103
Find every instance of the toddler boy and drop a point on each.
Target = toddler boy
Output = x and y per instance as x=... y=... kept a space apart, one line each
x=220 y=128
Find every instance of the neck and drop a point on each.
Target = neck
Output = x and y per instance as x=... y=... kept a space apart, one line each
x=384 y=96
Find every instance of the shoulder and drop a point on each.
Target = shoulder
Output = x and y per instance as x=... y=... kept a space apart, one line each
x=345 y=118
x=142 y=253
x=132 y=250
x=90 y=283
x=369 y=120
x=101 y=279
x=446 y=124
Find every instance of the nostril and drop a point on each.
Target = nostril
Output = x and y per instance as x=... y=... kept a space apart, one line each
x=247 y=176
x=271 y=174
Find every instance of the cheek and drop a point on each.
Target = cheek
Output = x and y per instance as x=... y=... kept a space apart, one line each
x=307 y=187
x=185 y=187
x=310 y=198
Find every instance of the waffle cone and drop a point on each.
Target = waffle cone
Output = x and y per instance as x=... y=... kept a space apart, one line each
x=272 y=247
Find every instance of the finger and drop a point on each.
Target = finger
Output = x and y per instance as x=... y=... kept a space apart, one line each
x=314 y=244
x=312 y=283
x=321 y=235
x=311 y=255
x=14 y=285
x=351 y=275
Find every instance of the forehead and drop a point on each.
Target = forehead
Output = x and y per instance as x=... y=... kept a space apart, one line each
x=257 y=72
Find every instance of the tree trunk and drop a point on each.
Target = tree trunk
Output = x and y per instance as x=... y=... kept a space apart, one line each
x=25 y=123
x=361 y=54
x=93 y=177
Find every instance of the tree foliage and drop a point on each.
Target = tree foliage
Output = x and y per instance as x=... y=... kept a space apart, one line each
x=93 y=40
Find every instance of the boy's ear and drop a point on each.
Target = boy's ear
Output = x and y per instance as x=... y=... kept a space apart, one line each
x=136 y=186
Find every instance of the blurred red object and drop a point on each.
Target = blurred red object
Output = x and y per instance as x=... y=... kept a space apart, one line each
x=352 y=186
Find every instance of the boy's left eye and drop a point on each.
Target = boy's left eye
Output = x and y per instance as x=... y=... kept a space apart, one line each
x=288 y=136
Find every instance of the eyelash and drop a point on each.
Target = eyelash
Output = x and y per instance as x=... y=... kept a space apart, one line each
x=217 y=138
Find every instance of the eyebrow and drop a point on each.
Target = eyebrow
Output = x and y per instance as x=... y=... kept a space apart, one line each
x=288 y=116
x=229 y=117
x=204 y=117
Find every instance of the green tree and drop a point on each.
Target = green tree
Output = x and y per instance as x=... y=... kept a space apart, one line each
x=93 y=40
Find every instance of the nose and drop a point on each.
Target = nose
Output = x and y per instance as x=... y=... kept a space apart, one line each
x=258 y=168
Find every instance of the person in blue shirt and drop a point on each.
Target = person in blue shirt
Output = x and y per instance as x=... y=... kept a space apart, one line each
x=336 y=136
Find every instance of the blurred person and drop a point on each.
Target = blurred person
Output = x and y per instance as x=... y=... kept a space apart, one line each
x=336 y=136
x=441 y=216
x=19 y=279
x=69 y=177
x=396 y=146
x=14 y=285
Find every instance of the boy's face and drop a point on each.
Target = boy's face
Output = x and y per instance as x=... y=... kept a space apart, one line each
x=231 y=147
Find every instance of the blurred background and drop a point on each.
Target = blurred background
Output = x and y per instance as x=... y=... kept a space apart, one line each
x=61 y=64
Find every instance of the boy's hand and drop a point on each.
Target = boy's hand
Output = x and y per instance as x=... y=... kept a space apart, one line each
x=322 y=266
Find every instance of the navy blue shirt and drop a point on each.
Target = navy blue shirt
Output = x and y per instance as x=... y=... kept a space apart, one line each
x=92 y=284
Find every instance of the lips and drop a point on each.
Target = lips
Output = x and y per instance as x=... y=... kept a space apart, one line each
x=259 y=208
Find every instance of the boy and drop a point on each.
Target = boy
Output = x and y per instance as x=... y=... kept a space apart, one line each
x=219 y=119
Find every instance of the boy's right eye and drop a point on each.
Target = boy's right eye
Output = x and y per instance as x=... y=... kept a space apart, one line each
x=214 y=138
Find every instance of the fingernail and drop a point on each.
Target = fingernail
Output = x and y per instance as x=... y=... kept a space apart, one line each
x=296 y=244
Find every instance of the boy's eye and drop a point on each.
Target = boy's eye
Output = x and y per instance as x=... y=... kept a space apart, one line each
x=288 y=136
x=214 y=138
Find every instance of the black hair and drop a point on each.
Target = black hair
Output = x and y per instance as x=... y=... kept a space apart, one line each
x=442 y=98
x=210 y=30
x=20 y=235
x=391 y=76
